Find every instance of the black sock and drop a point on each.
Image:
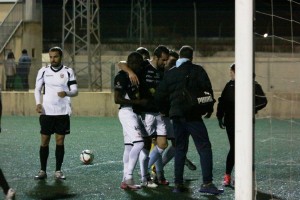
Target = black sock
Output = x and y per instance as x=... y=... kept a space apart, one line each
x=44 y=153
x=3 y=183
x=59 y=155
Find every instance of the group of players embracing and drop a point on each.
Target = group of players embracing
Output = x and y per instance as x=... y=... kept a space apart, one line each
x=148 y=91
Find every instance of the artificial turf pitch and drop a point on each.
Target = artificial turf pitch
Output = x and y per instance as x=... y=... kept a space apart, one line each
x=277 y=158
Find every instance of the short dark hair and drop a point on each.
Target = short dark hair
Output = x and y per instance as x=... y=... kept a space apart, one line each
x=232 y=67
x=159 y=50
x=174 y=54
x=145 y=53
x=134 y=60
x=24 y=51
x=58 y=49
x=186 y=52
x=10 y=55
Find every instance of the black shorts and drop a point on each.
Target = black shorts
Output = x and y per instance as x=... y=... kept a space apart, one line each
x=59 y=124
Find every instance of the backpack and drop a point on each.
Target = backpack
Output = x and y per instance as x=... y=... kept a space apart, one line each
x=196 y=98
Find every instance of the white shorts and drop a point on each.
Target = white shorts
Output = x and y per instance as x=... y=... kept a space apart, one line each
x=131 y=126
x=153 y=124
x=169 y=127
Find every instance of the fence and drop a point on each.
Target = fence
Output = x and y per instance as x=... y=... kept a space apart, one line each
x=278 y=76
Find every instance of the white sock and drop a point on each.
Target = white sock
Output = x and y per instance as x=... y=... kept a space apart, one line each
x=127 y=149
x=144 y=160
x=168 y=154
x=133 y=157
x=159 y=165
x=154 y=155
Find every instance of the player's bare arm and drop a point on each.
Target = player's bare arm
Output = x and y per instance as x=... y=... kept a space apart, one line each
x=39 y=108
x=119 y=99
x=132 y=76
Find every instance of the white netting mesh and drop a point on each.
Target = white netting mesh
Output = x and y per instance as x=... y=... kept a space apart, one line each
x=277 y=31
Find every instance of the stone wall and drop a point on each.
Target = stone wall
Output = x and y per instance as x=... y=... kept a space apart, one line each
x=280 y=105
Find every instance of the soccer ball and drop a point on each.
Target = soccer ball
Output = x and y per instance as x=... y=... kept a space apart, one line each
x=86 y=157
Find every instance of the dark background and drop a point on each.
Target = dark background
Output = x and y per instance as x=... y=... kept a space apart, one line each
x=174 y=19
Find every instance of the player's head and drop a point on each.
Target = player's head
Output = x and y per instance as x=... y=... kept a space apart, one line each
x=56 y=49
x=134 y=60
x=55 y=54
x=144 y=52
x=161 y=55
x=232 y=71
x=186 y=51
x=174 y=54
x=173 y=57
x=232 y=67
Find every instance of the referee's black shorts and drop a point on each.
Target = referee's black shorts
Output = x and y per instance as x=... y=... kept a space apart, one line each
x=59 y=124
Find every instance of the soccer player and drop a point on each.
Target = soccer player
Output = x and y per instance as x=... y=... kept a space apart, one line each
x=58 y=83
x=132 y=76
x=145 y=53
x=127 y=95
x=149 y=78
x=9 y=192
x=153 y=122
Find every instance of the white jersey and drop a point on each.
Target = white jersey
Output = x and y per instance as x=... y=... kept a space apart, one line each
x=55 y=80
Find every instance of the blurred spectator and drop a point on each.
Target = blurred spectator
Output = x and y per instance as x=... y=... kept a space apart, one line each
x=23 y=69
x=10 y=71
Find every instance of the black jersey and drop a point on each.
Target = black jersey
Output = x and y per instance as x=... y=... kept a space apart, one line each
x=122 y=84
x=150 y=78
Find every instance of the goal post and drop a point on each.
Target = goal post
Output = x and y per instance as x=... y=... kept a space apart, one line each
x=244 y=100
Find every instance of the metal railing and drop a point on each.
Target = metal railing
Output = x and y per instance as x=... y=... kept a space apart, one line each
x=10 y=24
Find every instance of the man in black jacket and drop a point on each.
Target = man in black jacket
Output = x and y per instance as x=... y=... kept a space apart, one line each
x=189 y=122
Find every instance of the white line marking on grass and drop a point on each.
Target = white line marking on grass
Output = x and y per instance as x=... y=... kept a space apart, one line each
x=92 y=165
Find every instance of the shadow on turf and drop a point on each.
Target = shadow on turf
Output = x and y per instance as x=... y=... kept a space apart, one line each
x=46 y=191
x=265 y=196
x=165 y=192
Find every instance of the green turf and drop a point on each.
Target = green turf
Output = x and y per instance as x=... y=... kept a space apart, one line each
x=277 y=161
